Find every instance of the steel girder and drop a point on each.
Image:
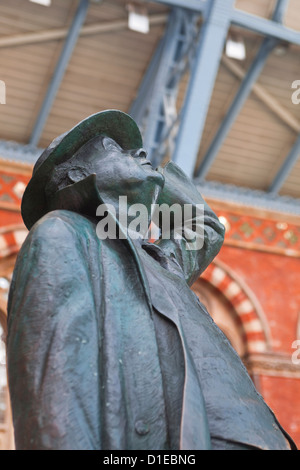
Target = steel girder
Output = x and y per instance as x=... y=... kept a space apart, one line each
x=245 y=20
x=59 y=72
x=286 y=168
x=207 y=57
x=155 y=107
x=206 y=64
x=242 y=95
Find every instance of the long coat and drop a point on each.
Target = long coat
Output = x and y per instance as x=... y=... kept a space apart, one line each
x=109 y=348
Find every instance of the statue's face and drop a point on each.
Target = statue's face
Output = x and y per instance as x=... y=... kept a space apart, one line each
x=118 y=172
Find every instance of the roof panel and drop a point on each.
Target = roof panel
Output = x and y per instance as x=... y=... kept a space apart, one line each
x=105 y=72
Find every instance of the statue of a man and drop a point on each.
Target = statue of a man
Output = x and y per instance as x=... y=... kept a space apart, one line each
x=108 y=347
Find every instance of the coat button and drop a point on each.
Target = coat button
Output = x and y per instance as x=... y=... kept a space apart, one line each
x=142 y=428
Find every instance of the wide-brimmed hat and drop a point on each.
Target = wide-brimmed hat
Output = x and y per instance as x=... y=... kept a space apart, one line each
x=111 y=123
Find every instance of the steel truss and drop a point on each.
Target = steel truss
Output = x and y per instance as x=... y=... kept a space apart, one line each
x=177 y=135
x=193 y=42
x=155 y=108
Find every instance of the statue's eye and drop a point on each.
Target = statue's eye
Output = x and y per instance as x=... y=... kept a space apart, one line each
x=109 y=143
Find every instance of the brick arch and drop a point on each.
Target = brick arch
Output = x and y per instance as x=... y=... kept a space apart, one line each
x=11 y=239
x=244 y=303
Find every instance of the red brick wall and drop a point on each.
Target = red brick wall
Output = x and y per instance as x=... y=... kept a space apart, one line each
x=282 y=395
x=265 y=255
x=8 y=218
x=275 y=280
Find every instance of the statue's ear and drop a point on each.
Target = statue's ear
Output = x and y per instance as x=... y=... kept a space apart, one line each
x=77 y=174
x=82 y=197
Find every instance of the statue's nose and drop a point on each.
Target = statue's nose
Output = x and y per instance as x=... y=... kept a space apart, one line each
x=139 y=153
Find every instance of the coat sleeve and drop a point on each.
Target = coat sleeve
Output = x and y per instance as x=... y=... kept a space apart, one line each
x=52 y=342
x=192 y=254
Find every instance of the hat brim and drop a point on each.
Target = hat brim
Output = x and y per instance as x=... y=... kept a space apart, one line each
x=112 y=123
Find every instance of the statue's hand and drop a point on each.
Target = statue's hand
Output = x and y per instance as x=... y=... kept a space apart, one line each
x=185 y=209
x=200 y=232
x=178 y=188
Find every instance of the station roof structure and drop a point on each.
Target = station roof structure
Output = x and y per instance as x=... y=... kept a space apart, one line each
x=237 y=121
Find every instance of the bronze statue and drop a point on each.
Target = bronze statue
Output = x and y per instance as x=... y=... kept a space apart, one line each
x=108 y=347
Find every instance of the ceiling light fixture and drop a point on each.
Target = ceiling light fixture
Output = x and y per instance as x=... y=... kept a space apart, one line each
x=46 y=3
x=235 y=48
x=138 y=19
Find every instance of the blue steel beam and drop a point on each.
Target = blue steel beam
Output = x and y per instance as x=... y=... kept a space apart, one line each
x=139 y=105
x=285 y=168
x=203 y=74
x=280 y=11
x=265 y=27
x=245 y=20
x=160 y=82
x=154 y=108
x=242 y=94
x=59 y=72
x=196 y=5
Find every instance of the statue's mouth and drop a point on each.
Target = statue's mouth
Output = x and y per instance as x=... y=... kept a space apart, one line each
x=146 y=163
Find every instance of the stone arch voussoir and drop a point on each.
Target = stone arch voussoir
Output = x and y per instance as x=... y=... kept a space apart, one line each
x=244 y=303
